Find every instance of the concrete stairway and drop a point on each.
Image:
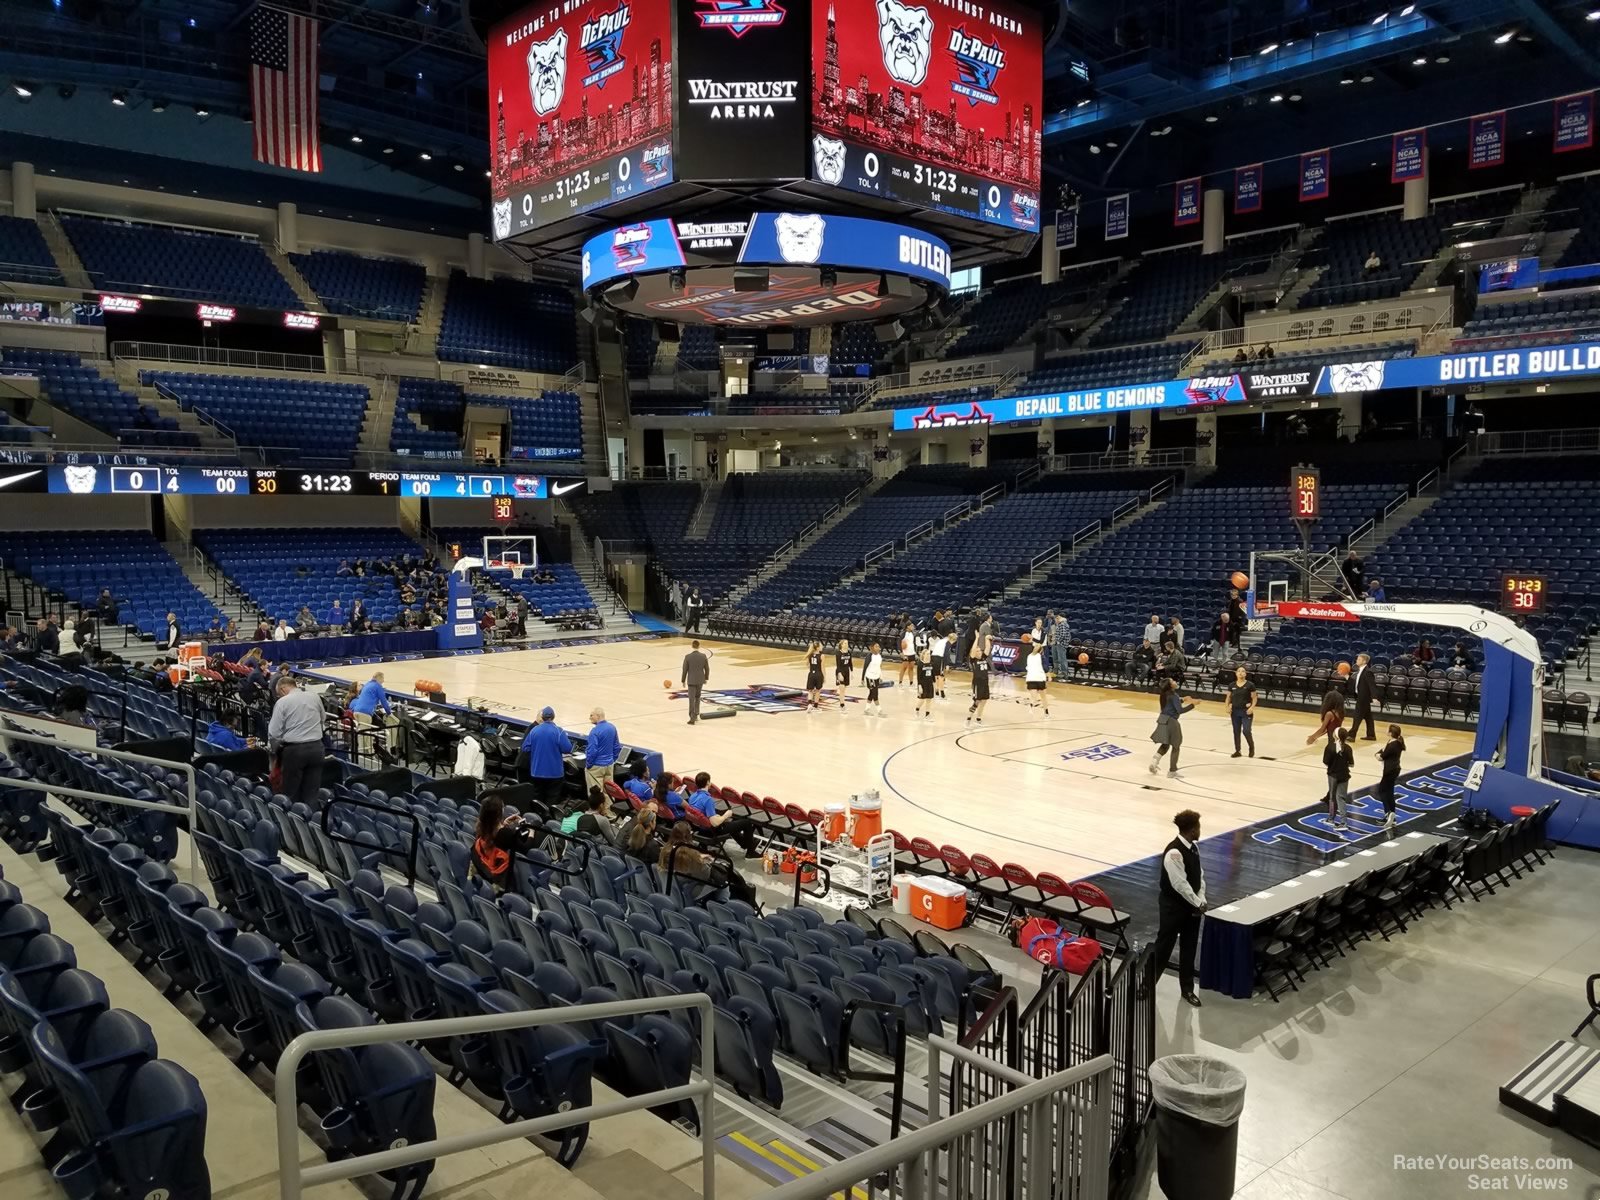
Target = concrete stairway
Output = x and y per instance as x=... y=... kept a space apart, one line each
x=425 y=340
x=307 y=294
x=1025 y=581
x=705 y=513
x=67 y=260
x=378 y=421
x=1291 y=299
x=592 y=430
x=1529 y=209
x=773 y=565
x=212 y=439
x=1401 y=517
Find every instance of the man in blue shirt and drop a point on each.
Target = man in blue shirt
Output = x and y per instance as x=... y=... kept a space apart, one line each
x=639 y=784
x=600 y=752
x=372 y=698
x=546 y=745
x=724 y=825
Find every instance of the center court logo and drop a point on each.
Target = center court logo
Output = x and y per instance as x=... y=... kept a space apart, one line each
x=760 y=697
x=739 y=17
x=905 y=35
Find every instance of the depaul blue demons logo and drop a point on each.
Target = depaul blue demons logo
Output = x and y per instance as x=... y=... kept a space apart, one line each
x=629 y=244
x=656 y=162
x=739 y=17
x=601 y=42
x=1213 y=389
x=978 y=63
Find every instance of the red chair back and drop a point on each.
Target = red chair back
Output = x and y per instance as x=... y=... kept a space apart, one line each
x=1090 y=896
x=1018 y=876
x=956 y=859
x=901 y=843
x=986 y=867
x=1050 y=884
x=772 y=806
x=795 y=813
x=749 y=799
x=923 y=848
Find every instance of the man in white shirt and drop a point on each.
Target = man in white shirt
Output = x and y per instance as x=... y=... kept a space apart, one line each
x=1182 y=901
x=1153 y=632
x=281 y=631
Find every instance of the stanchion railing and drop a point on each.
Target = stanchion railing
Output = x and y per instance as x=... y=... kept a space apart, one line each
x=294 y=1178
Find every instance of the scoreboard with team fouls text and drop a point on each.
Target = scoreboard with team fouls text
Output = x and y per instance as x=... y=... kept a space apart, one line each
x=100 y=479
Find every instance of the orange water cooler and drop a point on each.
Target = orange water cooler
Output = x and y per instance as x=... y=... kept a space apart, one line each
x=941 y=903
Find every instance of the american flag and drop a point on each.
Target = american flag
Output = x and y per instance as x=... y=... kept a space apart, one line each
x=283 y=88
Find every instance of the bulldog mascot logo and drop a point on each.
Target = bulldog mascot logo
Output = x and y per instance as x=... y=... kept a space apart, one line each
x=906 y=36
x=828 y=154
x=547 y=73
x=800 y=237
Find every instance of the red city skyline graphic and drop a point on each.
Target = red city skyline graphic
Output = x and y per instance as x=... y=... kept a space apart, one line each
x=591 y=124
x=854 y=97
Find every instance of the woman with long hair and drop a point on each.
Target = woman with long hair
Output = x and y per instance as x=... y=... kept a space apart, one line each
x=1338 y=758
x=1033 y=673
x=1389 y=756
x=681 y=857
x=1168 y=733
x=842 y=666
x=814 y=676
x=495 y=842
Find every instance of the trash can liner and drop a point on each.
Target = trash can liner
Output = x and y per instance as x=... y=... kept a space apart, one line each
x=1207 y=1089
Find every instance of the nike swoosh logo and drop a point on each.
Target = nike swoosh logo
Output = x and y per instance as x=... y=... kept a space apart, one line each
x=561 y=489
x=5 y=483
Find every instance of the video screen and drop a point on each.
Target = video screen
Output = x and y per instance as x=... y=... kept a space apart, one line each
x=580 y=109
x=937 y=104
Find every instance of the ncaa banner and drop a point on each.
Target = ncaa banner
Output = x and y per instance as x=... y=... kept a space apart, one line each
x=1116 y=217
x=1247 y=189
x=1314 y=175
x=1066 y=228
x=1407 y=155
x=1186 y=202
x=1574 y=122
x=1486 y=140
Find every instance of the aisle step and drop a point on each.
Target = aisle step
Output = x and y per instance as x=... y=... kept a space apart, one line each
x=1532 y=1091
x=782 y=1163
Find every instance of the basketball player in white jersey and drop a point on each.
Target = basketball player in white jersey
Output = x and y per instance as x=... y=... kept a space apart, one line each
x=872 y=676
x=908 y=654
x=1033 y=674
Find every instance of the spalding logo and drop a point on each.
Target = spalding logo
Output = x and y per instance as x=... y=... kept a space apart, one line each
x=828 y=154
x=906 y=37
x=800 y=237
x=547 y=73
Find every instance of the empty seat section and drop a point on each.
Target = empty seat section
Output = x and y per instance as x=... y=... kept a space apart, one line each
x=124 y=256
x=290 y=419
x=383 y=289
x=508 y=323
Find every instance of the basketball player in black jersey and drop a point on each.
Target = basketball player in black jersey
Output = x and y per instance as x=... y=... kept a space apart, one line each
x=842 y=666
x=814 y=676
x=925 y=677
x=980 y=682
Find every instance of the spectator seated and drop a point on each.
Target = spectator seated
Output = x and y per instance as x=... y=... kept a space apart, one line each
x=89 y=396
x=284 y=570
x=292 y=418
x=1403 y=249
x=24 y=256
x=382 y=289
x=144 y=579
x=122 y=256
x=508 y=323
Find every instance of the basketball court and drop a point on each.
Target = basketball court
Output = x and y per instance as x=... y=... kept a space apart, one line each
x=1069 y=793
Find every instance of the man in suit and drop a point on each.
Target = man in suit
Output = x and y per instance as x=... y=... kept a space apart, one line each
x=1364 y=684
x=696 y=673
x=1182 y=901
x=693 y=608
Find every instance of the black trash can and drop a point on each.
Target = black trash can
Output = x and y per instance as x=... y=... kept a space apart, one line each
x=1198 y=1102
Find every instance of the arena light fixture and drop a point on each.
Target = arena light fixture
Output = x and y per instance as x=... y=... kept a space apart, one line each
x=1408 y=10
x=25 y=90
x=1366 y=79
x=1268 y=48
x=1505 y=37
x=1211 y=118
x=1592 y=15
x=1346 y=80
x=1275 y=98
x=1380 y=18
x=1093 y=149
x=1420 y=61
x=202 y=111
x=355 y=139
x=460 y=167
x=1294 y=97
x=120 y=99
x=1111 y=143
x=159 y=104
x=425 y=156
x=1442 y=59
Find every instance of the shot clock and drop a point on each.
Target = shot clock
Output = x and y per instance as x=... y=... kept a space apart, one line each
x=1305 y=493
x=1522 y=594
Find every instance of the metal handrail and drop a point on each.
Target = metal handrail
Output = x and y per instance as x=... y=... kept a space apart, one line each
x=293 y=1178
x=1126 y=508
x=9 y=733
x=1160 y=487
x=917 y=531
x=915 y=1144
x=334 y=836
x=873 y=555
x=1088 y=531
x=956 y=510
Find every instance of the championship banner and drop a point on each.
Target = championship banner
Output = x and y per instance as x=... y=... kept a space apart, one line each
x=1066 y=228
x=1314 y=166
x=1116 y=217
x=1574 y=122
x=1486 y=140
x=1186 y=202
x=1407 y=155
x=1247 y=189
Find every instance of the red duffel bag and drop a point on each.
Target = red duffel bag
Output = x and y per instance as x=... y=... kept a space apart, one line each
x=1042 y=940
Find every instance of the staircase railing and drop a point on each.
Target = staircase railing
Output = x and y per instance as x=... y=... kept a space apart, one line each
x=294 y=1178
x=1089 y=531
x=917 y=531
x=884 y=551
x=1044 y=1139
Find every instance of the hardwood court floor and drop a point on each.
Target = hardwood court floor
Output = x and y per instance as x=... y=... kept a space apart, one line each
x=1070 y=793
